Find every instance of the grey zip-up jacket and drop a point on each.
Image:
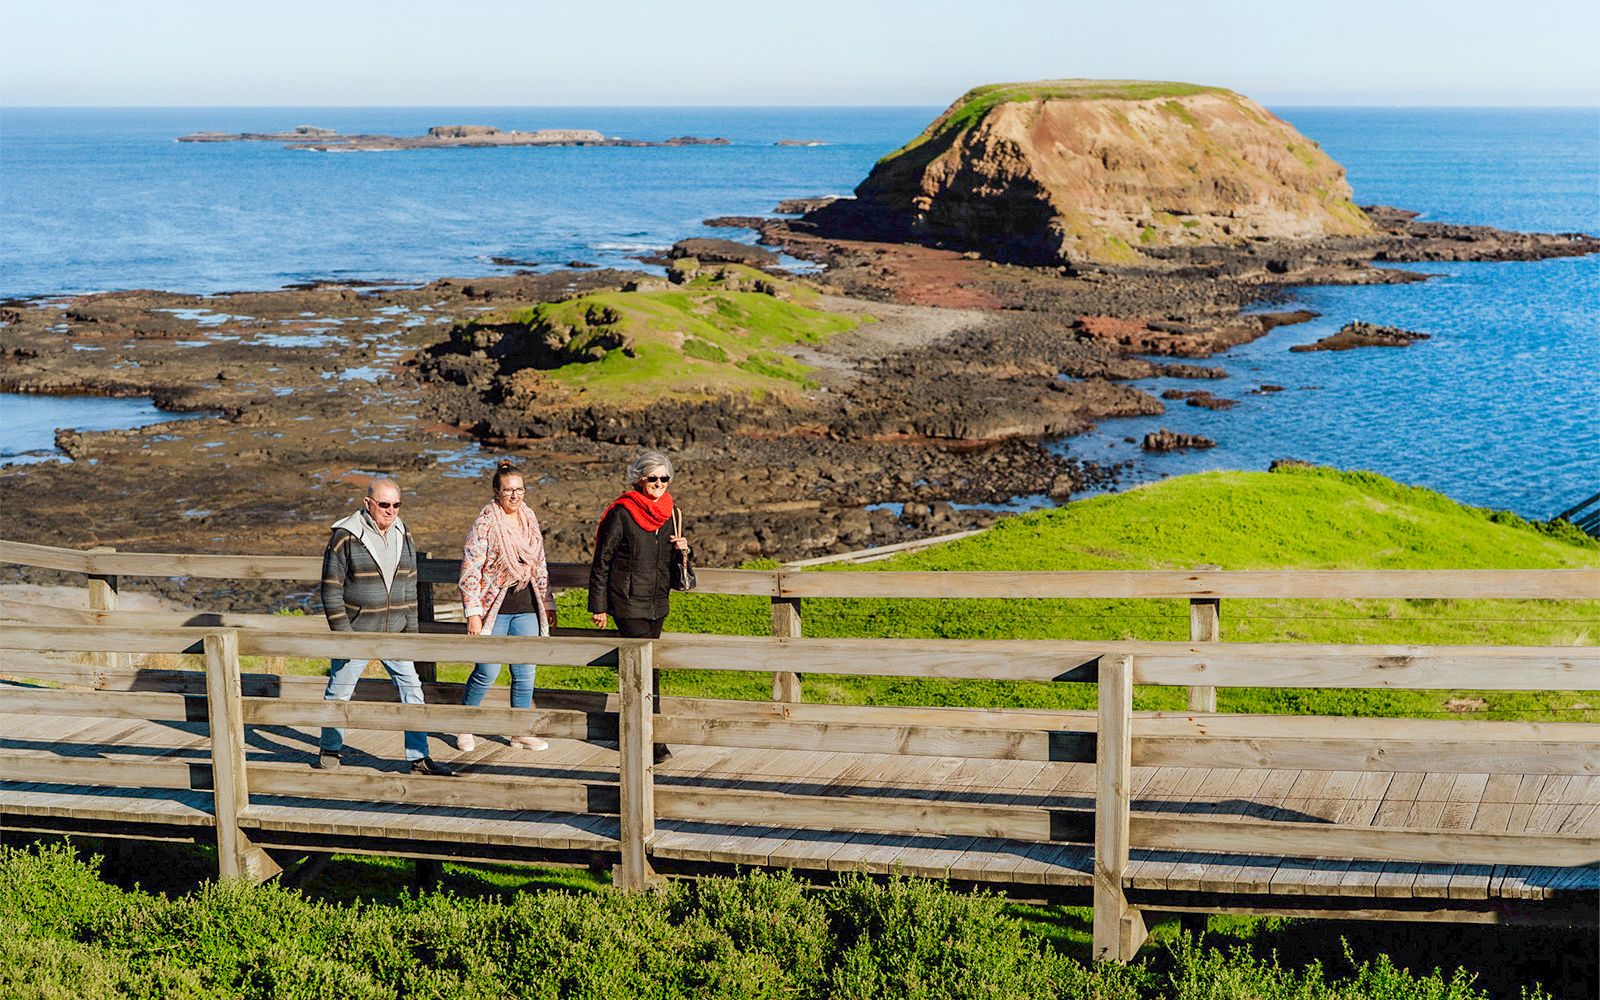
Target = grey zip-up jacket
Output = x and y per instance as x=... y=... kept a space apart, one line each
x=354 y=597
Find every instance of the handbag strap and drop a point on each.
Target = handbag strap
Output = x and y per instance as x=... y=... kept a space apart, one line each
x=677 y=521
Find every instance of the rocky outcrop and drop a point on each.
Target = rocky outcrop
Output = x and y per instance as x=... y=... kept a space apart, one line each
x=1360 y=334
x=1165 y=440
x=1078 y=170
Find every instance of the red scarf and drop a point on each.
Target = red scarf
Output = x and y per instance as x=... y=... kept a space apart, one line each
x=647 y=513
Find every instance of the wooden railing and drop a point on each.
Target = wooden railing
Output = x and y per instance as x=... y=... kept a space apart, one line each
x=786 y=588
x=1113 y=737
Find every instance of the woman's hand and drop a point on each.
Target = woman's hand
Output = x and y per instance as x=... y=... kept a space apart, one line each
x=680 y=543
x=551 y=619
x=474 y=624
x=599 y=620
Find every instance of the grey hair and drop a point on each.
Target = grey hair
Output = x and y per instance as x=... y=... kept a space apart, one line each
x=372 y=487
x=646 y=463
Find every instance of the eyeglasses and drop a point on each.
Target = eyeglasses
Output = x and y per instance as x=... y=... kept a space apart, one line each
x=656 y=479
x=514 y=493
x=386 y=506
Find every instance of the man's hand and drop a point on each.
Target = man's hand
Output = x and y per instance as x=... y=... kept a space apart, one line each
x=599 y=620
x=475 y=625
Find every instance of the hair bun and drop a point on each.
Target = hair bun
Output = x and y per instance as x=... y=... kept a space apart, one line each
x=506 y=463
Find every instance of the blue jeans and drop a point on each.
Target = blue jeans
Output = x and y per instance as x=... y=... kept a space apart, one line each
x=342 y=677
x=485 y=674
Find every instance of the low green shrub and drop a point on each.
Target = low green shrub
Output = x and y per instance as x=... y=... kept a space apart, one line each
x=66 y=934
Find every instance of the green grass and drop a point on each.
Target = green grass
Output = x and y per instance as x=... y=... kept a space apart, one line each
x=67 y=933
x=972 y=106
x=720 y=331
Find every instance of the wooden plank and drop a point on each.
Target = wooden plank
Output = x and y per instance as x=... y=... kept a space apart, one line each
x=1205 y=625
x=564 y=651
x=1118 y=928
x=1342 y=754
x=1169 y=663
x=637 y=826
x=1388 y=843
x=910 y=740
x=397 y=716
x=786 y=625
x=237 y=857
x=106 y=773
x=1573 y=584
x=1577 y=584
x=1419 y=668
x=354 y=784
x=96 y=704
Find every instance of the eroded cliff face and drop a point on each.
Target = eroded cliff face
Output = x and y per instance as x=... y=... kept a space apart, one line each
x=1038 y=172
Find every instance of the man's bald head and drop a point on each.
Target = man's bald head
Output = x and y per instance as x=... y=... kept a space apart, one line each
x=383 y=485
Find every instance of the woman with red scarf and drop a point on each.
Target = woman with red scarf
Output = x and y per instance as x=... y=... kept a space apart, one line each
x=631 y=576
x=505 y=590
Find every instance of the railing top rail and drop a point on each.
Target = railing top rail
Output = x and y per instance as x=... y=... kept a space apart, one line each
x=1578 y=584
x=1164 y=663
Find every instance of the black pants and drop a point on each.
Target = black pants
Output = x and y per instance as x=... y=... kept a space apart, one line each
x=646 y=628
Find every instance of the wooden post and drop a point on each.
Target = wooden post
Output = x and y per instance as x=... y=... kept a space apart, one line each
x=103 y=597
x=1118 y=928
x=1205 y=625
x=236 y=855
x=786 y=625
x=427 y=670
x=637 y=824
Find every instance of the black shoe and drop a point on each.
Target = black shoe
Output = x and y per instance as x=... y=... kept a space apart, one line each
x=328 y=760
x=663 y=753
x=427 y=765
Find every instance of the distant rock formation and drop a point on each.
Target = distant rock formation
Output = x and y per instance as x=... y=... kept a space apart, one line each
x=1360 y=334
x=441 y=137
x=1096 y=170
x=1165 y=440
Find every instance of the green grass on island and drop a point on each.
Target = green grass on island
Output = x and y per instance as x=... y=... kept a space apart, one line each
x=717 y=329
x=972 y=106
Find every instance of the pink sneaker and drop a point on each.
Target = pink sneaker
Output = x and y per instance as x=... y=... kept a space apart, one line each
x=466 y=741
x=529 y=743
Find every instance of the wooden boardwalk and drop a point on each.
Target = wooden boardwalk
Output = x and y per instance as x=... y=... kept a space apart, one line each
x=1369 y=818
x=1441 y=801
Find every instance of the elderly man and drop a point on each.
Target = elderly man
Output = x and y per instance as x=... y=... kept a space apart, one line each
x=369 y=584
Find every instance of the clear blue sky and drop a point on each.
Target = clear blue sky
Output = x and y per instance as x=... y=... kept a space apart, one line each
x=678 y=52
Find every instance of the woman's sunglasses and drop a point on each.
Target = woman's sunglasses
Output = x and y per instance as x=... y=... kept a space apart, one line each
x=656 y=479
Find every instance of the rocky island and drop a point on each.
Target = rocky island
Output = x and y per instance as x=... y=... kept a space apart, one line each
x=438 y=137
x=992 y=288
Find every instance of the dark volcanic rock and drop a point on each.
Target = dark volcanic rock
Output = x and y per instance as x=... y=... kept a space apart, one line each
x=800 y=206
x=1201 y=398
x=1360 y=334
x=714 y=251
x=1165 y=440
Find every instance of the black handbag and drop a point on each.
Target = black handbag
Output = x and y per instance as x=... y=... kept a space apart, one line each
x=682 y=559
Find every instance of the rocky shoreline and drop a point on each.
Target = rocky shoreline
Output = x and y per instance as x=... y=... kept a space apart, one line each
x=951 y=398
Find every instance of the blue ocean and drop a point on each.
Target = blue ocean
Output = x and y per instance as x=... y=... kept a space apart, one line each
x=1501 y=407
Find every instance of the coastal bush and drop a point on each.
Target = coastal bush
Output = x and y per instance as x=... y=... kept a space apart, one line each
x=760 y=935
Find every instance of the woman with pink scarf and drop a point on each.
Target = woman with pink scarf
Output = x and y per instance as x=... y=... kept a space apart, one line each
x=505 y=590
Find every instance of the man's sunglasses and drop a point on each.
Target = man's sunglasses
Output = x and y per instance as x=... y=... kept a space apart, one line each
x=387 y=506
x=656 y=479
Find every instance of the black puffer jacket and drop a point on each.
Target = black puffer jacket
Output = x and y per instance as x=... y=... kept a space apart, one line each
x=631 y=573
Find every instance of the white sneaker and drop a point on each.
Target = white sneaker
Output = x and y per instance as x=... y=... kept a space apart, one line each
x=529 y=743
x=466 y=741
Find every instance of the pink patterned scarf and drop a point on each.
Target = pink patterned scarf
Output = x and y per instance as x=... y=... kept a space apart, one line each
x=517 y=544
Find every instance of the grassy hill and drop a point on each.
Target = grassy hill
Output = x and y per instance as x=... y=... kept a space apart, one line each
x=718 y=329
x=1310 y=518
